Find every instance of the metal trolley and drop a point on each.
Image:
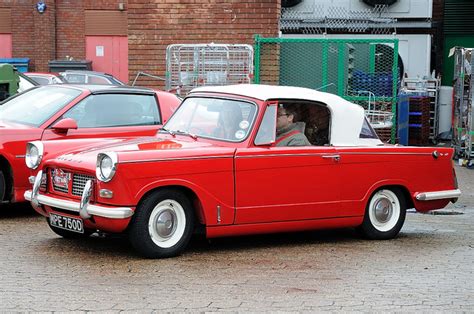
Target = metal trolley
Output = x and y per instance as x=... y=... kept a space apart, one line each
x=463 y=133
x=429 y=88
x=193 y=65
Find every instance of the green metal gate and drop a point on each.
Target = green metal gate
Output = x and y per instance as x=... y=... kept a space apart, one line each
x=364 y=71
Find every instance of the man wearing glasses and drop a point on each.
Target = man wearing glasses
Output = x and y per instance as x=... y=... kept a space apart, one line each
x=288 y=132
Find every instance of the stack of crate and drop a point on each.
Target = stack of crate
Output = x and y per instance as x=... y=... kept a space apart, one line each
x=384 y=134
x=419 y=120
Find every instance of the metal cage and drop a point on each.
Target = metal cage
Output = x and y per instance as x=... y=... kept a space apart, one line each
x=192 y=65
x=463 y=134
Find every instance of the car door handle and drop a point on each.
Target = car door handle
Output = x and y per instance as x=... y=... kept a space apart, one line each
x=335 y=157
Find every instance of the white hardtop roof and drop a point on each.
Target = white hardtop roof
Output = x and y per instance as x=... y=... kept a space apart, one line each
x=347 y=117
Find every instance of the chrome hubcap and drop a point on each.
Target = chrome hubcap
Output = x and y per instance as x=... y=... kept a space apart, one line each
x=165 y=223
x=383 y=210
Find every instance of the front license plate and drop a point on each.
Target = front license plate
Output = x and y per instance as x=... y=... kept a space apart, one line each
x=66 y=223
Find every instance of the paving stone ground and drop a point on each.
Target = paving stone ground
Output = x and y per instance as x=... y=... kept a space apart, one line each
x=429 y=267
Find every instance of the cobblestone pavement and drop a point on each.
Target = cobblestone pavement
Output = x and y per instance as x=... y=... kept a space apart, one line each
x=429 y=267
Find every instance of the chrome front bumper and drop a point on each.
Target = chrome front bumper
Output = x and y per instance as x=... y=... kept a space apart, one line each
x=438 y=195
x=94 y=210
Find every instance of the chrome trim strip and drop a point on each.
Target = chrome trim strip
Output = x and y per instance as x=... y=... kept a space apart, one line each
x=269 y=155
x=327 y=153
x=20 y=156
x=286 y=155
x=383 y=153
x=438 y=195
x=172 y=159
x=107 y=212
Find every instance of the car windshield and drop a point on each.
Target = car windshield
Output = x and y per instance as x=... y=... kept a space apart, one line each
x=221 y=119
x=36 y=106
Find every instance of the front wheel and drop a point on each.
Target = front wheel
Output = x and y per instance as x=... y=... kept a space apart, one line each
x=162 y=224
x=384 y=215
x=3 y=186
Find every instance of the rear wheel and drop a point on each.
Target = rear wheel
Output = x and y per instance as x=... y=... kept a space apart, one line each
x=384 y=215
x=162 y=224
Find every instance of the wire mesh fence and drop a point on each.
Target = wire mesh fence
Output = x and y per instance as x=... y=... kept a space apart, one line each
x=363 y=71
x=313 y=18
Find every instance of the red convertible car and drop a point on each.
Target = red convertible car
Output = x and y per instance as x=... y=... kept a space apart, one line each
x=72 y=111
x=242 y=159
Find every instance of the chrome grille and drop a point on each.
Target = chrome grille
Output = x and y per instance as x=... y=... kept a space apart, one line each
x=79 y=182
x=44 y=181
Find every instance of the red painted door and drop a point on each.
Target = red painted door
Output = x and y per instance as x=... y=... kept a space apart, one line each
x=109 y=54
x=286 y=184
x=5 y=45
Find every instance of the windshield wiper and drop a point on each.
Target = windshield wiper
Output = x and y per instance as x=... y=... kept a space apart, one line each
x=193 y=136
x=168 y=131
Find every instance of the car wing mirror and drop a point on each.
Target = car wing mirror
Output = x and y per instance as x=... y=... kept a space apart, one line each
x=63 y=125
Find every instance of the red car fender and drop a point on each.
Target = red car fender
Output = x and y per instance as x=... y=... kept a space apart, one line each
x=389 y=183
x=209 y=209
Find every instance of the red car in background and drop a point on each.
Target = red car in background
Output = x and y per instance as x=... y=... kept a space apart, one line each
x=72 y=111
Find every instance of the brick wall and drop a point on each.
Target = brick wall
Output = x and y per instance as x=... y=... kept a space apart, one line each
x=155 y=24
x=71 y=25
x=70 y=29
x=54 y=34
x=22 y=33
x=44 y=37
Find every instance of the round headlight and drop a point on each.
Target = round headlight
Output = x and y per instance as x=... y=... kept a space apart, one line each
x=106 y=166
x=34 y=154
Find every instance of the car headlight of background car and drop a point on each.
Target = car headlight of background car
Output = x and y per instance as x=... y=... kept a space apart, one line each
x=106 y=166
x=34 y=154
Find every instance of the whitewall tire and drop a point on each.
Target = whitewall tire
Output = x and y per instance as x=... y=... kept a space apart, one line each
x=385 y=214
x=162 y=224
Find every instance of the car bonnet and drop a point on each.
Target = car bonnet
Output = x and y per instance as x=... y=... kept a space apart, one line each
x=141 y=149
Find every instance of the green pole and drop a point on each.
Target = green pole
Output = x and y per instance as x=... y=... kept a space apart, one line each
x=341 y=68
x=257 y=59
x=325 y=64
x=394 y=89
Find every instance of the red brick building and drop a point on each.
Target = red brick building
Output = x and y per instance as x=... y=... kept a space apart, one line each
x=88 y=28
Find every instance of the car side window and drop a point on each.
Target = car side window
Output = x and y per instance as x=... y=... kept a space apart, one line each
x=41 y=80
x=367 y=130
x=310 y=119
x=111 y=110
x=76 y=78
x=93 y=79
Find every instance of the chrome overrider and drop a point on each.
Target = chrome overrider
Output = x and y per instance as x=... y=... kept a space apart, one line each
x=83 y=208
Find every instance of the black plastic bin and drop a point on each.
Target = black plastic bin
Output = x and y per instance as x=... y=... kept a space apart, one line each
x=56 y=66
